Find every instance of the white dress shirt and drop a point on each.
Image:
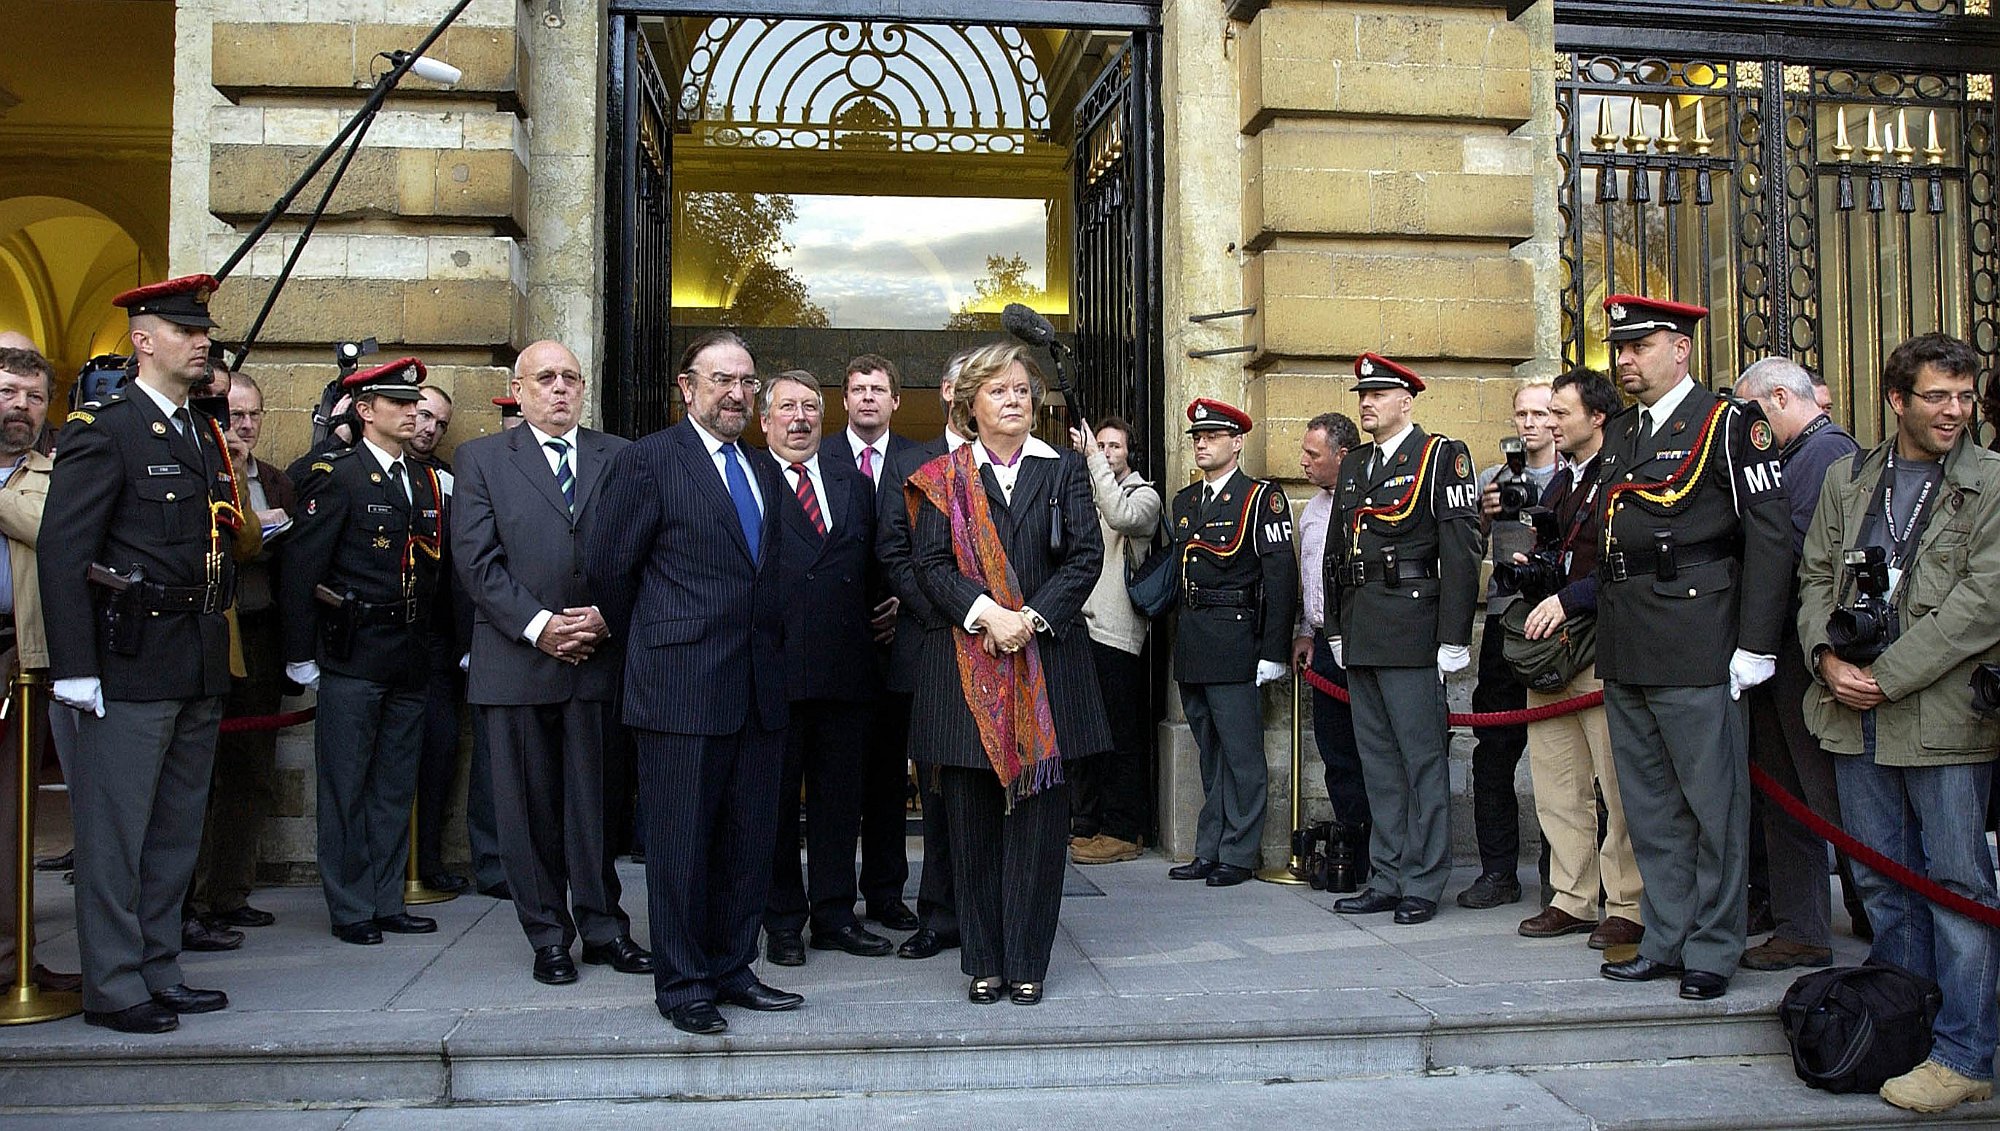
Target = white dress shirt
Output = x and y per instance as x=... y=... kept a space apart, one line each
x=389 y=463
x=855 y=444
x=1385 y=450
x=1660 y=409
x=1313 y=523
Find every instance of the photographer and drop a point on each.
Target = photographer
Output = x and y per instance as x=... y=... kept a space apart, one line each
x=1569 y=757
x=1899 y=604
x=1505 y=492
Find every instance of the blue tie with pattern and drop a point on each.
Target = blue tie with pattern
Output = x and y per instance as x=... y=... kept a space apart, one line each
x=745 y=497
x=565 y=478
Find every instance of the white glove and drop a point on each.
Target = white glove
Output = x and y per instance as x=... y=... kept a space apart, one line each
x=465 y=662
x=1339 y=654
x=305 y=673
x=1453 y=658
x=1269 y=671
x=1747 y=670
x=84 y=692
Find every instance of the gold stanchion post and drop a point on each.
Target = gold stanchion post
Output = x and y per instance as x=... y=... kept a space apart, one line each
x=27 y=1003
x=414 y=890
x=1292 y=872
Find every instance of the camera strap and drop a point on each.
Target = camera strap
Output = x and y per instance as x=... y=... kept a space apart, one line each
x=1902 y=542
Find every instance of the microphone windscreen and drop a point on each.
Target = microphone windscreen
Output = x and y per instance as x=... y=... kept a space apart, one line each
x=436 y=70
x=1026 y=325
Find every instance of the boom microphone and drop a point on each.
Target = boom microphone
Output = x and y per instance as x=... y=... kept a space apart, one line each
x=1028 y=326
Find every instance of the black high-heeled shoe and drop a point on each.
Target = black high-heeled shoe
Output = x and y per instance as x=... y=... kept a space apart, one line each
x=985 y=991
x=1027 y=993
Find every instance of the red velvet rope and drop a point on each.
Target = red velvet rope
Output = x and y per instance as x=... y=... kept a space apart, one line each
x=1545 y=712
x=1840 y=838
x=243 y=724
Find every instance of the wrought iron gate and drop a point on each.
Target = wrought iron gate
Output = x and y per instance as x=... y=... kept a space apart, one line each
x=1116 y=301
x=1824 y=206
x=638 y=370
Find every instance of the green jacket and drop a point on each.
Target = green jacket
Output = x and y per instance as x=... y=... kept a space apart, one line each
x=1948 y=605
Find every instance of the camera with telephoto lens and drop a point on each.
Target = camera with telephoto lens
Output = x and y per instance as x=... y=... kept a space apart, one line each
x=1517 y=491
x=1543 y=573
x=1986 y=689
x=1864 y=629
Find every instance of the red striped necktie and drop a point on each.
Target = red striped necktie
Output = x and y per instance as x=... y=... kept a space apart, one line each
x=808 y=499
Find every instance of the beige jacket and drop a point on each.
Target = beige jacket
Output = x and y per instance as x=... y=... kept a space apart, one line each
x=1128 y=511
x=22 y=499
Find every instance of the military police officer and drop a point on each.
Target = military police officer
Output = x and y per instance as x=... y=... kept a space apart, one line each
x=1402 y=564
x=1697 y=559
x=136 y=572
x=357 y=587
x=1238 y=599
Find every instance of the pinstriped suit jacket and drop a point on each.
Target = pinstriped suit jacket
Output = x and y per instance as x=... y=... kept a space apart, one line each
x=702 y=619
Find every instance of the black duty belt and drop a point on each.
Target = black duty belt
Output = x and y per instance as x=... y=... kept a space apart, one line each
x=388 y=612
x=1623 y=565
x=1200 y=598
x=156 y=598
x=1360 y=572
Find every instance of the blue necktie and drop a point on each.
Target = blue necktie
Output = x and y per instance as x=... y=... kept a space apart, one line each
x=745 y=498
x=565 y=478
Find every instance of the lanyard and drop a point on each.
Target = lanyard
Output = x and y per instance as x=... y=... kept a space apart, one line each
x=1820 y=422
x=1901 y=543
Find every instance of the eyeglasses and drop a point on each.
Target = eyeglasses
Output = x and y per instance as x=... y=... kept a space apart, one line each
x=1938 y=398
x=748 y=382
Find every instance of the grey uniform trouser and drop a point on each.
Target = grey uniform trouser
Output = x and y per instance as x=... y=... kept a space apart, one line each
x=368 y=741
x=1684 y=775
x=1227 y=721
x=1402 y=732
x=137 y=792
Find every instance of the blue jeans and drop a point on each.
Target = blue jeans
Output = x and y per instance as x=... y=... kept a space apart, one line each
x=1931 y=819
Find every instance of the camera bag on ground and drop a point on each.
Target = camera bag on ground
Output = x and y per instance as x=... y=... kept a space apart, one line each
x=1854 y=1028
x=1155 y=584
x=1547 y=665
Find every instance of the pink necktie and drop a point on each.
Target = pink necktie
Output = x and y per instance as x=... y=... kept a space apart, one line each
x=868 y=462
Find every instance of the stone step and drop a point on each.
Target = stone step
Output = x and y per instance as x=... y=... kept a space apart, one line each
x=1716 y=1095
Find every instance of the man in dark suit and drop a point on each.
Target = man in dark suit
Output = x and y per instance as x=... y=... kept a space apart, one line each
x=827 y=550
x=543 y=675
x=685 y=567
x=1696 y=533
x=356 y=591
x=916 y=619
x=871 y=392
x=241 y=792
x=135 y=571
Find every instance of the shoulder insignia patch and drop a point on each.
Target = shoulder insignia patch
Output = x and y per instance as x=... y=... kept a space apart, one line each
x=1461 y=465
x=80 y=415
x=1277 y=503
x=1760 y=435
x=321 y=465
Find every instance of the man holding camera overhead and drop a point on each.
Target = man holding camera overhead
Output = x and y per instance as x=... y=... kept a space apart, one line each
x=1899 y=606
x=1696 y=557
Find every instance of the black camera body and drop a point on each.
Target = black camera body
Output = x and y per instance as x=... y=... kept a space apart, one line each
x=1544 y=573
x=1517 y=491
x=1863 y=629
x=1986 y=689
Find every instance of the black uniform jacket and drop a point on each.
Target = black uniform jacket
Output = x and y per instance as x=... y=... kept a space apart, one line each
x=353 y=533
x=1053 y=584
x=1707 y=483
x=1421 y=511
x=1239 y=578
x=129 y=491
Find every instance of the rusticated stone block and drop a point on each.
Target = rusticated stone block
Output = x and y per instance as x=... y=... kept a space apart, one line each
x=345 y=56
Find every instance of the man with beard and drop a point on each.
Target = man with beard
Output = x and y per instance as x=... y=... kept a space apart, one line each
x=686 y=570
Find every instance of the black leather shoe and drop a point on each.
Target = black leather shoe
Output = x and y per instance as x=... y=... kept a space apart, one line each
x=1639 y=968
x=1369 y=902
x=553 y=966
x=364 y=933
x=244 y=916
x=446 y=883
x=1027 y=993
x=181 y=999
x=1227 y=876
x=61 y=863
x=926 y=943
x=621 y=954
x=404 y=923
x=896 y=916
x=145 y=1017
x=698 y=1017
x=854 y=939
x=197 y=935
x=763 y=998
x=497 y=891
x=1199 y=868
x=1700 y=985
x=785 y=948
x=985 y=991
x=1413 y=910
x=1491 y=889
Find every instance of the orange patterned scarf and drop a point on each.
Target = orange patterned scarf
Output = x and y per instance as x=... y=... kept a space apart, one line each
x=1006 y=694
